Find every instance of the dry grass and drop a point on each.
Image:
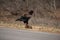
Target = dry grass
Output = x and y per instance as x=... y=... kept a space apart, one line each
x=47 y=29
x=18 y=25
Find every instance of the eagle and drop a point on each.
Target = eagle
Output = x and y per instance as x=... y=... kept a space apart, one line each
x=25 y=18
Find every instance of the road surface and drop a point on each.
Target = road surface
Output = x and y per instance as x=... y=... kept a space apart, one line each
x=14 y=34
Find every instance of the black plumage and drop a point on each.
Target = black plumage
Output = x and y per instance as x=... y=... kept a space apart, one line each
x=25 y=18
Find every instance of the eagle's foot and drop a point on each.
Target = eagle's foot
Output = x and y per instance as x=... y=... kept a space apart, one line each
x=30 y=27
